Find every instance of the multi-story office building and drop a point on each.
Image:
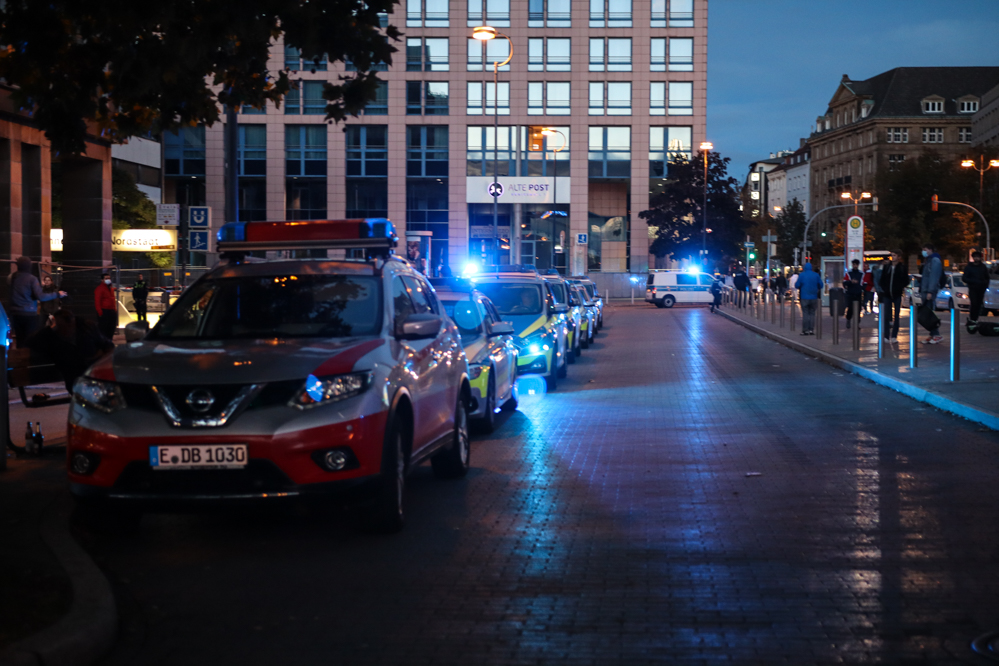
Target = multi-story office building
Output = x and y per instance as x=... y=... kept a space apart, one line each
x=622 y=83
x=789 y=181
x=985 y=123
x=883 y=121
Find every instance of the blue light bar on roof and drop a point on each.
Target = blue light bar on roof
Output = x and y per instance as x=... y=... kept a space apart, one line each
x=372 y=233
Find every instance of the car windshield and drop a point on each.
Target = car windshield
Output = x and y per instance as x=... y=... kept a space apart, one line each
x=513 y=298
x=958 y=282
x=281 y=306
x=466 y=317
x=589 y=290
x=559 y=290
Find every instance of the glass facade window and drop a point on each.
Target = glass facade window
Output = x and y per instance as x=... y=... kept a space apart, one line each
x=367 y=197
x=293 y=102
x=305 y=150
x=611 y=55
x=427 y=151
x=482 y=150
x=610 y=13
x=306 y=198
x=597 y=54
x=491 y=104
x=482 y=55
x=657 y=49
x=251 y=153
x=428 y=54
x=933 y=135
x=657 y=98
x=667 y=144
x=610 y=152
x=551 y=98
x=596 y=98
x=294 y=62
x=367 y=151
x=658 y=13
x=681 y=54
x=551 y=160
x=681 y=13
x=681 y=98
x=549 y=13
x=551 y=54
x=612 y=99
x=313 y=102
x=184 y=152
x=379 y=105
x=427 y=97
x=427 y=13
x=251 y=111
x=497 y=13
x=426 y=204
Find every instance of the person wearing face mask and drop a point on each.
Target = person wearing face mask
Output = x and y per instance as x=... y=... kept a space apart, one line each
x=928 y=288
x=107 y=307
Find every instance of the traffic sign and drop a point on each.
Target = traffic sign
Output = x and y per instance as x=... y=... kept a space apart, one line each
x=581 y=239
x=199 y=241
x=749 y=244
x=199 y=217
x=772 y=238
x=167 y=214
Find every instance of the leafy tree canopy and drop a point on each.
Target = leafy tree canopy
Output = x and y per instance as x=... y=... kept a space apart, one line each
x=132 y=209
x=790 y=229
x=676 y=210
x=133 y=67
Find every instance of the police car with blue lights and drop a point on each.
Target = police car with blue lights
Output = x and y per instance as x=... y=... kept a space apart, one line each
x=666 y=288
x=278 y=379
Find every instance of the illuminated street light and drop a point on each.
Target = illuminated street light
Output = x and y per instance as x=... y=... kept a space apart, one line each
x=706 y=147
x=857 y=200
x=551 y=131
x=484 y=33
x=981 y=169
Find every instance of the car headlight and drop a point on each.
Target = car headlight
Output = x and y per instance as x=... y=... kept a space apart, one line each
x=322 y=390
x=104 y=396
x=534 y=344
x=960 y=295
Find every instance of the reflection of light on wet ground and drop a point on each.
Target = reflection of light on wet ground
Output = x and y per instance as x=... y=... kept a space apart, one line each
x=530 y=386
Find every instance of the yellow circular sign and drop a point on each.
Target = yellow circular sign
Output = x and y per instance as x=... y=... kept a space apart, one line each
x=855 y=222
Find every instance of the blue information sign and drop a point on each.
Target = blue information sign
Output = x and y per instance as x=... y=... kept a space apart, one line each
x=199 y=241
x=200 y=217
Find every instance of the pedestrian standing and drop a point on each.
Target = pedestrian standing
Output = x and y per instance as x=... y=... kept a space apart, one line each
x=781 y=283
x=716 y=292
x=792 y=284
x=929 y=285
x=810 y=291
x=976 y=276
x=107 y=307
x=741 y=284
x=140 y=292
x=868 y=289
x=853 y=283
x=52 y=306
x=25 y=294
x=894 y=280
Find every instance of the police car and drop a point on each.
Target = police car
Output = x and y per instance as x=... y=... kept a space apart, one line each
x=278 y=379
x=666 y=288
x=488 y=344
x=527 y=301
x=573 y=318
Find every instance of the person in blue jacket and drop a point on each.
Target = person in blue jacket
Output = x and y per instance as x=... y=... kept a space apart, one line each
x=809 y=292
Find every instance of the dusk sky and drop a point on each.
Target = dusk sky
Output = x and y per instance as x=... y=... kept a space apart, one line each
x=773 y=65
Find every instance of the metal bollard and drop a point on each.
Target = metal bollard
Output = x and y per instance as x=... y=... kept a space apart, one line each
x=782 y=314
x=793 y=309
x=818 y=319
x=913 y=341
x=881 y=333
x=836 y=315
x=773 y=310
x=955 y=344
x=856 y=325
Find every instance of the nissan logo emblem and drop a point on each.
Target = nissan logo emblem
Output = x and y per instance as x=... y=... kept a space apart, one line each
x=200 y=400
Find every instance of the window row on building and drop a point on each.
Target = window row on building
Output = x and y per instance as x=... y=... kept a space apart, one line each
x=552 y=54
x=550 y=13
x=928 y=134
x=508 y=151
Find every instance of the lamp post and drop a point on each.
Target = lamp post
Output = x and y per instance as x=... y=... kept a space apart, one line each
x=856 y=201
x=485 y=33
x=706 y=146
x=551 y=131
x=981 y=169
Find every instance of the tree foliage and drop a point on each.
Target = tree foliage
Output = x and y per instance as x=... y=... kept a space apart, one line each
x=790 y=229
x=677 y=210
x=132 y=209
x=133 y=67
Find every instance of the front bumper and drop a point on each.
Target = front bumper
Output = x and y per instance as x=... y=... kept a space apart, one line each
x=535 y=364
x=480 y=392
x=280 y=466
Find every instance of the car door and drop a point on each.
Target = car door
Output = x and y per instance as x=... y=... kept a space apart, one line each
x=415 y=359
x=704 y=281
x=436 y=383
x=500 y=349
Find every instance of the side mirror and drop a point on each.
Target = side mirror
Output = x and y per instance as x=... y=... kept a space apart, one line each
x=136 y=330
x=561 y=308
x=419 y=327
x=501 y=328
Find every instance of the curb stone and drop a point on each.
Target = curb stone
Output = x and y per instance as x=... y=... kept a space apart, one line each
x=975 y=414
x=90 y=627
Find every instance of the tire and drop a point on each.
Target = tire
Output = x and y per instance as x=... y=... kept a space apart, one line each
x=551 y=382
x=488 y=421
x=452 y=463
x=669 y=301
x=584 y=341
x=659 y=304
x=563 y=370
x=513 y=401
x=385 y=513
x=578 y=351
x=570 y=356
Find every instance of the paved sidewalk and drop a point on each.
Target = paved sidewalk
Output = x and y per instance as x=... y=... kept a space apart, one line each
x=974 y=396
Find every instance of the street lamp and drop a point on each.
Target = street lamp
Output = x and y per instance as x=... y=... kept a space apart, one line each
x=485 y=33
x=706 y=146
x=981 y=169
x=551 y=131
x=863 y=195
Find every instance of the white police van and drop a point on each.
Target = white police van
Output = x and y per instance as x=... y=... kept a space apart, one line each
x=666 y=288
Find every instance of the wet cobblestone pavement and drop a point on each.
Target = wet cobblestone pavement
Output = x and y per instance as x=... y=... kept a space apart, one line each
x=692 y=494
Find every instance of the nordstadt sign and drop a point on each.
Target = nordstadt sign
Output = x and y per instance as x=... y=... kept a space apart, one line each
x=143 y=240
x=516 y=189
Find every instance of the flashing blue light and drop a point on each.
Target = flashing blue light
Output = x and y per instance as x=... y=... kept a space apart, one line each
x=314 y=388
x=471 y=268
x=694 y=269
x=634 y=279
x=534 y=349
